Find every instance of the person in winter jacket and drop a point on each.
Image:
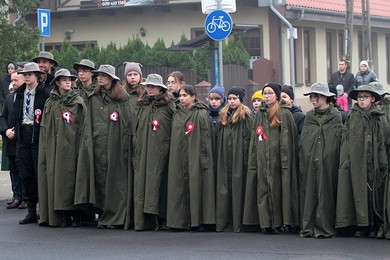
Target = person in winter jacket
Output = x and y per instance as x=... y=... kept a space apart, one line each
x=152 y=139
x=333 y=100
x=191 y=178
x=6 y=81
x=363 y=166
x=257 y=97
x=288 y=96
x=364 y=75
x=271 y=195
x=104 y=168
x=58 y=151
x=233 y=133
x=217 y=101
x=319 y=156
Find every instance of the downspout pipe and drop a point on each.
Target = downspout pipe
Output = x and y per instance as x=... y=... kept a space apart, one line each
x=291 y=38
x=17 y=19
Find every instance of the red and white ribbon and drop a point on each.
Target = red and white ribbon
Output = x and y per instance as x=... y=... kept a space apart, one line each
x=38 y=114
x=67 y=116
x=260 y=133
x=155 y=124
x=114 y=116
x=190 y=127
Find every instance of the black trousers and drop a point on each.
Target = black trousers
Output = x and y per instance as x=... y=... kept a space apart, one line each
x=16 y=181
x=27 y=153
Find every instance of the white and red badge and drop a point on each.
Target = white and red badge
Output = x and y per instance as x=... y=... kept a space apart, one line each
x=190 y=127
x=38 y=114
x=155 y=124
x=114 y=116
x=260 y=133
x=67 y=116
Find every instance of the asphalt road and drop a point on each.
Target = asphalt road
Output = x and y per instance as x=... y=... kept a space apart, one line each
x=34 y=242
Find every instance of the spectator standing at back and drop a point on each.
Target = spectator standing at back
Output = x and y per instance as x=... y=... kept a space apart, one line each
x=364 y=75
x=288 y=96
x=345 y=78
x=8 y=131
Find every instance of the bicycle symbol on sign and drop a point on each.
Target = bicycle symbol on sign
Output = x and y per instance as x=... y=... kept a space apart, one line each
x=218 y=23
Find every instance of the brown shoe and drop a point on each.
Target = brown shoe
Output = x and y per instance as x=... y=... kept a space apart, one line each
x=23 y=205
x=14 y=205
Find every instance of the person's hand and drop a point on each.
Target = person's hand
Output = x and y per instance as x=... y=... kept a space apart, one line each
x=345 y=94
x=10 y=133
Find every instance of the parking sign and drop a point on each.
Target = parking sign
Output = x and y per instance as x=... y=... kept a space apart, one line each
x=44 y=22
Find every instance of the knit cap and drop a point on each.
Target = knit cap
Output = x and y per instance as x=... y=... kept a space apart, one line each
x=133 y=66
x=289 y=91
x=275 y=87
x=238 y=91
x=218 y=89
x=364 y=62
x=258 y=95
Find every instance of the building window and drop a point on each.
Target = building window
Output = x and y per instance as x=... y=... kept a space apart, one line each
x=341 y=45
x=388 y=58
x=306 y=56
x=195 y=32
x=251 y=39
x=329 y=60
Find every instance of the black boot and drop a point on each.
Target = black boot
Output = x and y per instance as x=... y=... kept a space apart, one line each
x=31 y=216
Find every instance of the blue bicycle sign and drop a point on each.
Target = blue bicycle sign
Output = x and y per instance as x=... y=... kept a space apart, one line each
x=218 y=25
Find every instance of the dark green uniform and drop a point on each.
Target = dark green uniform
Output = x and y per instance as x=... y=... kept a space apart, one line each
x=191 y=180
x=271 y=196
x=59 y=140
x=318 y=162
x=84 y=92
x=232 y=165
x=153 y=135
x=105 y=171
x=363 y=170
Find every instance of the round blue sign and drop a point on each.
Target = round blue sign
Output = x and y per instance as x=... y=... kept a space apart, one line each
x=218 y=25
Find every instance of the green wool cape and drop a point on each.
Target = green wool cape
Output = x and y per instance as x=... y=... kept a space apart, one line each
x=385 y=107
x=152 y=154
x=59 y=140
x=105 y=173
x=271 y=195
x=191 y=179
x=231 y=167
x=85 y=92
x=363 y=169
x=319 y=155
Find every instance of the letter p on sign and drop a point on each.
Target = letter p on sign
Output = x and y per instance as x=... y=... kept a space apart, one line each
x=44 y=22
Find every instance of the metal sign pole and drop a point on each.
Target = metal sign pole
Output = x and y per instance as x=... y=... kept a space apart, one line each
x=43 y=44
x=219 y=6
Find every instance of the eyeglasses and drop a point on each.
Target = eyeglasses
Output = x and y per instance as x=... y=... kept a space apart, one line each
x=363 y=97
x=268 y=93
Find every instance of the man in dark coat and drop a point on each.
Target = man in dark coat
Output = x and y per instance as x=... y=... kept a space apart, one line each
x=345 y=78
x=8 y=131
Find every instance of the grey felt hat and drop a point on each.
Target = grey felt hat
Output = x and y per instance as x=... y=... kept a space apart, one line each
x=321 y=89
x=364 y=88
x=378 y=88
x=63 y=73
x=155 y=80
x=46 y=55
x=84 y=63
x=31 y=67
x=107 y=69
